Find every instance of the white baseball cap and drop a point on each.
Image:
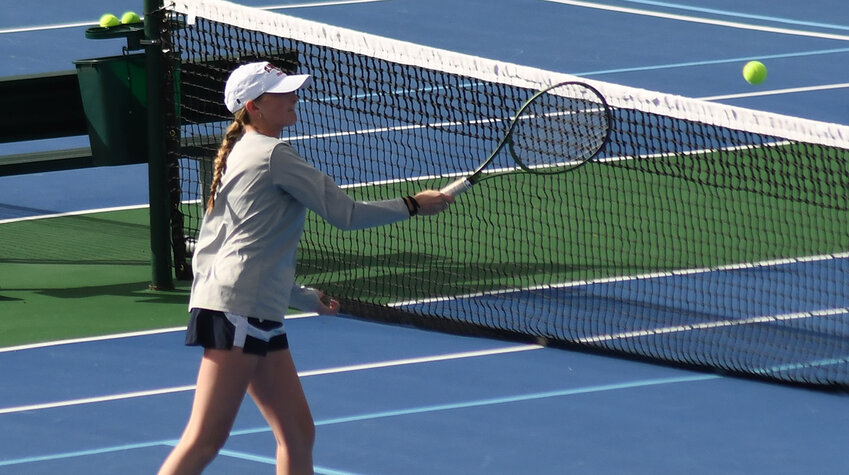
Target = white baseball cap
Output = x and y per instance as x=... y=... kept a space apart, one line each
x=249 y=81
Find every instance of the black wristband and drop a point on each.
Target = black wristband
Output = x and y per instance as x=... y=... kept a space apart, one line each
x=412 y=205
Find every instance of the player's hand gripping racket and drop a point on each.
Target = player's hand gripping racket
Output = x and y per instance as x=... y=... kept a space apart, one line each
x=557 y=130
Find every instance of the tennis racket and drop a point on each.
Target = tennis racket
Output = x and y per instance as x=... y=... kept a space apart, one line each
x=557 y=130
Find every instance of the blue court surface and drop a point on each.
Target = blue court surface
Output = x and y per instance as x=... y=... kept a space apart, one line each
x=396 y=400
x=391 y=400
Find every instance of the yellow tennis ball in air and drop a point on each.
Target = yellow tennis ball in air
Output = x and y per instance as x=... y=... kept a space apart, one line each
x=130 y=17
x=109 y=20
x=754 y=72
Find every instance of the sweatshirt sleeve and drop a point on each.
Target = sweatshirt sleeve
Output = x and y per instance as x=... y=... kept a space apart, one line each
x=304 y=298
x=317 y=191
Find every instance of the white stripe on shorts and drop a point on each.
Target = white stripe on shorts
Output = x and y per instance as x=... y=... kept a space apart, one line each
x=244 y=328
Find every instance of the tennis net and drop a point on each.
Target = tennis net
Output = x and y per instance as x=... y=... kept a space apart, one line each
x=703 y=235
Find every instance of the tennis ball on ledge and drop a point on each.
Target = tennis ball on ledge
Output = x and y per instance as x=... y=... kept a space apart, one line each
x=754 y=72
x=109 y=20
x=130 y=17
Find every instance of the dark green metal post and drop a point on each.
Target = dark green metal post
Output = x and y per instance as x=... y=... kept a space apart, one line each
x=157 y=166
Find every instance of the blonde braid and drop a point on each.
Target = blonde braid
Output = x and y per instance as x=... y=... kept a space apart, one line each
x=234 y=133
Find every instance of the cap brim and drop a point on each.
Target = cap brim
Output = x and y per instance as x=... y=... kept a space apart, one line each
x=291 y=83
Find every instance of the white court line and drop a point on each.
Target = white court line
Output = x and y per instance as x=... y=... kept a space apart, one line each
x=116 y=336
x=777 y=92
x=423 y=359
x=303 y=374
x=629 y=278
x=72 y=341
x=707 y=21
x=91 y=400
x=58 y=26
x=715 y=324
x=73 y=213
x=749 y=16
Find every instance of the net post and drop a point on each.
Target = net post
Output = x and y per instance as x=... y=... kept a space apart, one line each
x=157 y=166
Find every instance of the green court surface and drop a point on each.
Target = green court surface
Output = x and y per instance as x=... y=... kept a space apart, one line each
x=88 y=274
x=595 y=222
x=79 y=276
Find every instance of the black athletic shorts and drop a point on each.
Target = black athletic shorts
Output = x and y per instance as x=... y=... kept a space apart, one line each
x=223 y=331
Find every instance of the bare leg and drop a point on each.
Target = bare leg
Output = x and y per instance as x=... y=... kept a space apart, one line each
x=277 y=391
x=223 y=378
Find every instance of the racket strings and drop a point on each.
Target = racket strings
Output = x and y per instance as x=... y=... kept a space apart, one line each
x=559 y=129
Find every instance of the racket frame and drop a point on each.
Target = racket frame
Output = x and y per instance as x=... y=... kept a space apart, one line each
x=462 y=185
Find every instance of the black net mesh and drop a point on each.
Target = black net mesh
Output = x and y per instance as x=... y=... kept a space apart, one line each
x=682 y=241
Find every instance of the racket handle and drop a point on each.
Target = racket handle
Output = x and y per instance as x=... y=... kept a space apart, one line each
x=457 y=188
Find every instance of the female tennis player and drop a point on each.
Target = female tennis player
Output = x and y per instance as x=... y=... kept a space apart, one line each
x=244 y=270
